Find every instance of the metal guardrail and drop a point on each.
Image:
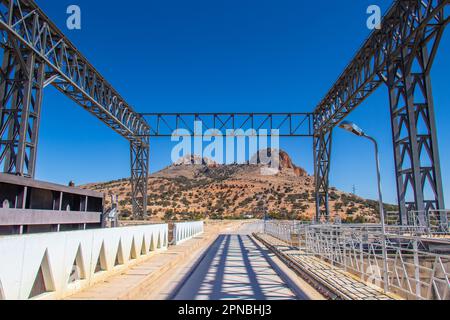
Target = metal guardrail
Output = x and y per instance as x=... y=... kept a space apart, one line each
x=418 y=263
x=183 y=231
x=433 y=221
x=430 y=222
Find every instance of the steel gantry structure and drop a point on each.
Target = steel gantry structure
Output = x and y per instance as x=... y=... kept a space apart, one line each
x=400 y=55
x=37 y=54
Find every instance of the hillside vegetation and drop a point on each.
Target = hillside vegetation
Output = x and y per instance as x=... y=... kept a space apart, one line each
x=208 y=190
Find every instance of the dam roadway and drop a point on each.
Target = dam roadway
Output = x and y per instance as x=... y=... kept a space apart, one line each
x=237 y=267
x=231 y=260
x=225 y=262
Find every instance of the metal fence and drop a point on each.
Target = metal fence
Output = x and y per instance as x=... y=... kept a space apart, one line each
x=417 y=263
x=432 y=221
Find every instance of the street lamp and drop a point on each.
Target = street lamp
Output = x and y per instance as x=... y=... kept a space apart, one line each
x=353 y=128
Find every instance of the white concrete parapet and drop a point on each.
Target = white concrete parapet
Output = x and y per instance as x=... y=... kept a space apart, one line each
x=186 y=230
x=56 y=265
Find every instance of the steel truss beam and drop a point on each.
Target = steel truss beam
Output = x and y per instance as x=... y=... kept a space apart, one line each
x=322 y=155
x=388 y=56
x=288 y=124
x=37 y=54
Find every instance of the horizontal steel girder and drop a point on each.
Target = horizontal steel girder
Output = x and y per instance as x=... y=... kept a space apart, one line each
x=179 y=124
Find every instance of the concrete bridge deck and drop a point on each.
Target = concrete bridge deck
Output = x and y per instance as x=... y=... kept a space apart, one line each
x=238 y=267
x=153 y=277
x=223 y=263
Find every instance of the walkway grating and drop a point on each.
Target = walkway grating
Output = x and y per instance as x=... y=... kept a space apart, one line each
x=336 y=282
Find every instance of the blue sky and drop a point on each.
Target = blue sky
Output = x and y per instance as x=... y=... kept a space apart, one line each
x=223 y=56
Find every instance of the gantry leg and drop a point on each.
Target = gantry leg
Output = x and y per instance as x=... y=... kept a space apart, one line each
x=21 y=86
x=418 y=172
x=139 y=178
x=322 y=154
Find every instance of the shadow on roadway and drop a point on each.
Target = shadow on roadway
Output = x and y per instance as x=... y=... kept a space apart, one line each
x=233 y=268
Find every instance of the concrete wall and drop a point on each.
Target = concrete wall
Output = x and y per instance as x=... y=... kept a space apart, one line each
x=186 y=230
x=14 y=217
x=64 y=263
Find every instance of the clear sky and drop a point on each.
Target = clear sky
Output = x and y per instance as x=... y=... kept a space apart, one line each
x=223 y=56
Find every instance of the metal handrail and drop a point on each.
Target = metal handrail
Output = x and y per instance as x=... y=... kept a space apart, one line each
x=417 y=268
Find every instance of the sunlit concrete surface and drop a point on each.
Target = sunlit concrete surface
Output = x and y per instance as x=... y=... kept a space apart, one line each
x=235 y=268
x=58 y=264
x=156 y=277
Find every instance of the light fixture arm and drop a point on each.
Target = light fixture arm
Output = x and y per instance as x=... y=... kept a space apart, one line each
x=354 y=129
x=381 y=208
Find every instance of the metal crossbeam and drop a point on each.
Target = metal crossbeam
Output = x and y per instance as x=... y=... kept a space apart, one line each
x=178 y=124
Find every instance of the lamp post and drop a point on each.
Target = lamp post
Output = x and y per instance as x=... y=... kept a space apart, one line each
x=353 y=128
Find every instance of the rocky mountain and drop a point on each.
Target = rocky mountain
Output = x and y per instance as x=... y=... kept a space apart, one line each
x=201 y=188
x=284 y=164
x=192 y=159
